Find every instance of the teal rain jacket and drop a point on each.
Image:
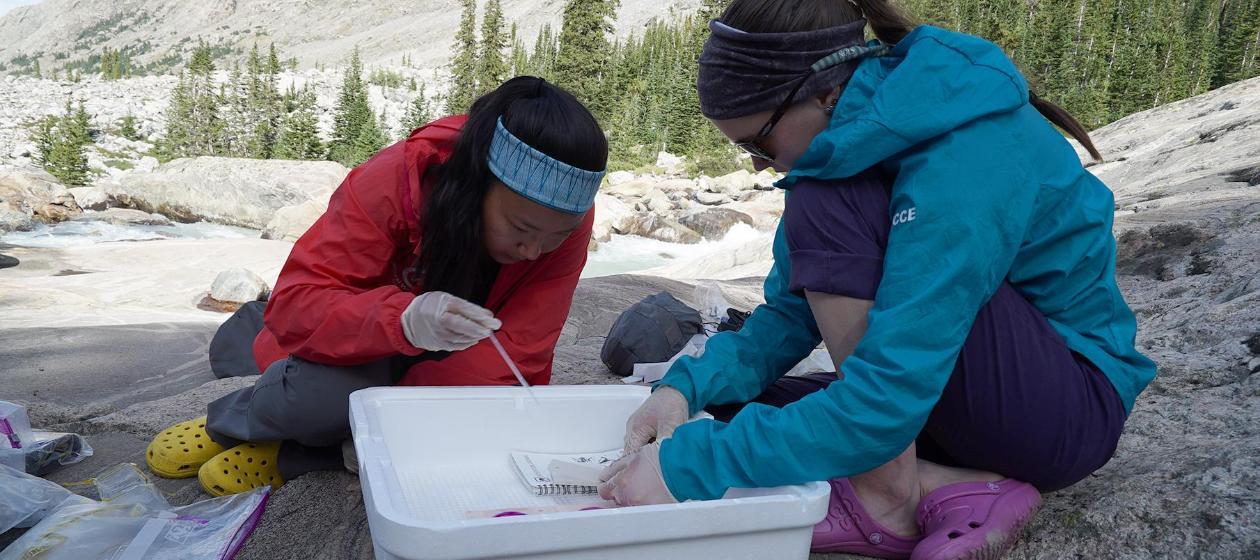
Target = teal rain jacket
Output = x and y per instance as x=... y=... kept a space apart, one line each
x=995 y=192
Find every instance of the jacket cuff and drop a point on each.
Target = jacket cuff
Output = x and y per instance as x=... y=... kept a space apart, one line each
x=393 y=325
x=687 y=463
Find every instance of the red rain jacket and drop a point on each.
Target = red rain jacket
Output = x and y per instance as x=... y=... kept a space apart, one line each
x=341 y=292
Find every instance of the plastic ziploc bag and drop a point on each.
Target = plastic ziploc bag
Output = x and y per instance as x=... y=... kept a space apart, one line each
x=50 y=451
x=713 y=306
x=26 y=499
x=15 y=434
x=134 y=522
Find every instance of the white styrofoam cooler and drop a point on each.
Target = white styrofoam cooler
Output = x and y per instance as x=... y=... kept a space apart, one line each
x=429 y=456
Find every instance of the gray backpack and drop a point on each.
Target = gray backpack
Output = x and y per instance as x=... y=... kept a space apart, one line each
x=651 y=331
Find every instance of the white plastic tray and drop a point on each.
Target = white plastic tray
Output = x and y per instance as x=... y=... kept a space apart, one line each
x=428 y=456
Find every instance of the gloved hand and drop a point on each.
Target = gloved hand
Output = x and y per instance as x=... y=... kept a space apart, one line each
x=439 y=321
x=656 y=418
x=636 y=480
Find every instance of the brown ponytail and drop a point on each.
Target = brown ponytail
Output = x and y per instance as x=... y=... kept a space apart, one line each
x=1061 y=118
x=889 y=23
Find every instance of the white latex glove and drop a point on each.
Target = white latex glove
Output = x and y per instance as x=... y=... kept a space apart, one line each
x=439 y=321
x=656 y=418
x=636 y=480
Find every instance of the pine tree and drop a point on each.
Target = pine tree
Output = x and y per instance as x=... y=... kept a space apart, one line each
x=464 y=65
x=38 y=74
x=542 y=59
x=493 y=69
x=66 y=158
x=419 y=112
x=372 y=137
x=43 y=133
x=262 y=105
x=81 y=125
x=352 y=116
x=584 y=51
x=238 y=122
x=202 y=62
x=273 y=61
x=127 y=128
x=519 y=61
x=194 y=126
x=299 y=134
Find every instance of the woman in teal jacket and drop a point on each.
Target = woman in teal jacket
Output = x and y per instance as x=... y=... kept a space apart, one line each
x=977 y=313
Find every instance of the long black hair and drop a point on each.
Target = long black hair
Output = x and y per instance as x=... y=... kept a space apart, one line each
x=888 y=22
x=453 y=256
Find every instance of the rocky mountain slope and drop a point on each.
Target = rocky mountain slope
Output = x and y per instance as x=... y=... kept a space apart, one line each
x=314 y=31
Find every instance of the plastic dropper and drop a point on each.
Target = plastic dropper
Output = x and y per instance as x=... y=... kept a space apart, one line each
x=512 y=366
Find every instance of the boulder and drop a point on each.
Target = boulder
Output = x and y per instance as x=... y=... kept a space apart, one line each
x=661 y=228
x=765 y=179
x=238 y=192
x=657 y=201
x=14 y=220
x=31 y=194
x=90 y=198
x=237 y=286
x=619 y=177
x=23 y=150
x=713 y=223
x=712 y=199
x=124 y=216
x=290 y=222
x=677 y=185
x=732 y=184
x=632 y=189
x=765 y=208
x=146 y=164
x=670 y=163
x=611 y=216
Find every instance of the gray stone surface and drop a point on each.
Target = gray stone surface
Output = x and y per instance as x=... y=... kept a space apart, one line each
x=239 y=192
x=75 y=373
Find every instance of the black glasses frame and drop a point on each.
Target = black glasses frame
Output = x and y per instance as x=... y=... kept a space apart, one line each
x=753 y=147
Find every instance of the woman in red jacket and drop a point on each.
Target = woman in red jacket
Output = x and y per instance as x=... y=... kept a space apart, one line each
x=472 y=225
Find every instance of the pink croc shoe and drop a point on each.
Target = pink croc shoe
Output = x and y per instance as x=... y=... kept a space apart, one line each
x=849 y=529
x=974 y=520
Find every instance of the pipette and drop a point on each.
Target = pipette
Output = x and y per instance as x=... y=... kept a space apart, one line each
x=512 y=366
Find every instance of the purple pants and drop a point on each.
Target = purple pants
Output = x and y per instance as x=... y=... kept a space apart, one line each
x=1019 y=403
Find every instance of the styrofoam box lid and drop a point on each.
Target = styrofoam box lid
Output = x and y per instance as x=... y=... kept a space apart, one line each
x=430 y=455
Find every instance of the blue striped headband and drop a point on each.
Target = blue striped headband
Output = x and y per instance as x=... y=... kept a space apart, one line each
x=539 y=177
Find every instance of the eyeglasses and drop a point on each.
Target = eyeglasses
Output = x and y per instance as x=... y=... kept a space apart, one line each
x=854 y=52
x=754 y=147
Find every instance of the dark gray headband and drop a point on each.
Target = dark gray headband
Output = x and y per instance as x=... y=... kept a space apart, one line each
x=745 y=73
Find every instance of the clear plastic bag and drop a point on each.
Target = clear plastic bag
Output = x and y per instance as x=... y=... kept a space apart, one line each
x=134 y=522
x=26 y=499
x=713 y=306
x=50 y=451
x=15 y=434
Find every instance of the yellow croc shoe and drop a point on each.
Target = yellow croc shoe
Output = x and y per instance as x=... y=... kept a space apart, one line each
x=181 y=449
x=241 y=468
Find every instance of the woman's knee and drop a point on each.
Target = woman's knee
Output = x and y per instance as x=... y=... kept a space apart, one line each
x=311 y=400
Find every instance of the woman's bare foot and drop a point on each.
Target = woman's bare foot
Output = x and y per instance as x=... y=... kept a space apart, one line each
x=933 y=476
x=891 y=492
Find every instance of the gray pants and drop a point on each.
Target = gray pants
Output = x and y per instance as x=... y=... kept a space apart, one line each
x=302 y=404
